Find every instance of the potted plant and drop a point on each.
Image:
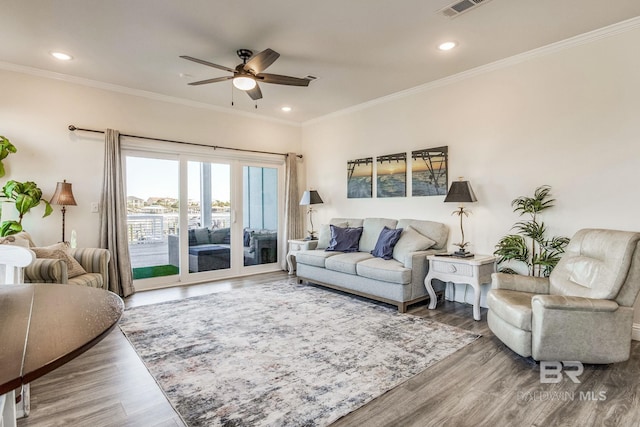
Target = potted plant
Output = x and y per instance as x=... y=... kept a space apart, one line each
x=530 y=247
x=25 y=196
x=6 y=148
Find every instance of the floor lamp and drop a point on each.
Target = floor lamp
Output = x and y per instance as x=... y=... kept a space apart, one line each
x=63 y=196
x=310 y=198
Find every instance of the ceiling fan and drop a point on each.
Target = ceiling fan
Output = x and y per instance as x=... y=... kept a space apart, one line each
x=247 y=75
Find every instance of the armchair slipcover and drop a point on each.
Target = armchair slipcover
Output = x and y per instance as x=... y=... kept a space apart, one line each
x=94 y=260
x=582 y=312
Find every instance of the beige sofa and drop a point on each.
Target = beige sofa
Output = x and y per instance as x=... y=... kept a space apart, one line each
x=398 y=281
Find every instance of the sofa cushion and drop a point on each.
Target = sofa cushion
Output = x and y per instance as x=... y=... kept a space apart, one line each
x=410 y=241
x=220 y=235
x=344 y=239
x=385 y=270
x=514 y=307
x=371 y=230
x=386 y=242
x=346 y=263
x=314 y=257
x=436 y=231
x=201 y=235
x=93 y=280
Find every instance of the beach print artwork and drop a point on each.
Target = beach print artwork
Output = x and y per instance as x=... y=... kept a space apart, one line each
x=429 y=172
x=391 y=171
x=360 y=178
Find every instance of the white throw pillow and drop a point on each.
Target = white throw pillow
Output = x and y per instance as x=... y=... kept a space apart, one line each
x=411 y=241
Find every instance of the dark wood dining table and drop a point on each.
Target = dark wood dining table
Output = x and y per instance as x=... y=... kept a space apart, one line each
x=43 y=326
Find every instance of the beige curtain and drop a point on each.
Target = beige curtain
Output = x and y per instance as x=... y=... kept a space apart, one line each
x=293 y=224
x=113 y=217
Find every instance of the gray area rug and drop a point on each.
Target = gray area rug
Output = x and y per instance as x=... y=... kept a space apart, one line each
x=281 y=354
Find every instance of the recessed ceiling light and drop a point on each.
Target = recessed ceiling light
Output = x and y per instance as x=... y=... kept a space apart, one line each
x=447 y=45
x=61 y=56
x=286 y=109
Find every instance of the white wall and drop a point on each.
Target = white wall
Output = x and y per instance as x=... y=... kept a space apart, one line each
x=35 y=113
x=569 y=119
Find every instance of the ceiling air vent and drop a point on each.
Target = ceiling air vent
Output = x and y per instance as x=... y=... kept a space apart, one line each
x=459 y=7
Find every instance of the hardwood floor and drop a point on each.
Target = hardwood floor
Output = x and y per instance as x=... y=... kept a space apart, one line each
x=483 y=384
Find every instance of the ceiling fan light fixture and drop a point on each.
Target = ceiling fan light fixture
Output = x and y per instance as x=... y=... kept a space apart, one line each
x=244 y=82
x=447 y=46
x=61 y=56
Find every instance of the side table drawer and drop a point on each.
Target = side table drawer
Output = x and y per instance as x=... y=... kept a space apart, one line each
x=457 y=269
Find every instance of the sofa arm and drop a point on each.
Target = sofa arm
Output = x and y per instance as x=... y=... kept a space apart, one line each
x=516 y=282
x=561 y=302
x=94 y=260
x=45 y=270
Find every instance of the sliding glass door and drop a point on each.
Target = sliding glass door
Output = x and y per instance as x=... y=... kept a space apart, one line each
x=152 y=216
x=230 y=209
x=209 y=205
x=260 y=215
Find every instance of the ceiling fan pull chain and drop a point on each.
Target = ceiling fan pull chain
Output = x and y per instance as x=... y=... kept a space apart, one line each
x=232 y=95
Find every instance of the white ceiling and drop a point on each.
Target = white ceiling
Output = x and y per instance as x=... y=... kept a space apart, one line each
x=360 y=50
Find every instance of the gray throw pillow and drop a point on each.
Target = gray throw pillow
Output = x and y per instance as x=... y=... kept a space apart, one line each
x=411 y=241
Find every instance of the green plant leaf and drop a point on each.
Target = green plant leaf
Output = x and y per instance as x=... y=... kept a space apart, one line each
x=8 y=228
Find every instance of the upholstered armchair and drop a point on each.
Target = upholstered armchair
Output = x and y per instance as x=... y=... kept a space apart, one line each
x=582 y=312
x=95 y=262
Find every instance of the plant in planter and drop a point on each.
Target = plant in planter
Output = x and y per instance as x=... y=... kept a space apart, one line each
x=6 y=148
x=529 y=246
x=25 y=196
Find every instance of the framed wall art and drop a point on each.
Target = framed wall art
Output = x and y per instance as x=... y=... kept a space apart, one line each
x=391 y=171
x=360 y=178
x=429 y=174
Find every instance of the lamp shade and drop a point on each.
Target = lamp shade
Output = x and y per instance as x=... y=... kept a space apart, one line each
x=63 y=195
x=310 y=198
x=461 y=192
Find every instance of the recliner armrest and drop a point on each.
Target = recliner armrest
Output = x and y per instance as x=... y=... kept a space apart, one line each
x=516 y=282
x=561 y=302
x=46 y=270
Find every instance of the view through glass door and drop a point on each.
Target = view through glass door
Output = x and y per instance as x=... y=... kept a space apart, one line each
x=220 y=239
x=209 y=212
x=260 y=215
x=152 y=216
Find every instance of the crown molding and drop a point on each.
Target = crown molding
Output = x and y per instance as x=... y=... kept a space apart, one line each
x=589 y=37
x=136 y=92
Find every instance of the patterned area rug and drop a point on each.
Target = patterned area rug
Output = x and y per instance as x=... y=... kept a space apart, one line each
x=281 y=354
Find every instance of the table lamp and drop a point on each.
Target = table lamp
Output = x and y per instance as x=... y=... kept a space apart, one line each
x=310 y=198
x=461 y=192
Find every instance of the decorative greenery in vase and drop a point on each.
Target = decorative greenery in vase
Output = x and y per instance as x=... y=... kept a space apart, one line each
x=25 y=196
x=6 y=148
x=530 y=246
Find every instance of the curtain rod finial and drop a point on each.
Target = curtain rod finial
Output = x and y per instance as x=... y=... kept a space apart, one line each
x=72 y=127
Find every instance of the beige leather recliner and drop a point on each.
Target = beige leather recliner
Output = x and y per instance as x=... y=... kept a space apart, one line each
x=582 y=312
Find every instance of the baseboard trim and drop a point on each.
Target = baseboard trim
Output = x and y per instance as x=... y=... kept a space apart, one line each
x=635 y=332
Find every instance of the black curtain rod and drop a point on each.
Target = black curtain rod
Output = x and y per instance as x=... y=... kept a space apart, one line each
x=215 y=147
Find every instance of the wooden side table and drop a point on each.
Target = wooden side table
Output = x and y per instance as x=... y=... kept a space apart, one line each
x=295 y=246
x=473 y=271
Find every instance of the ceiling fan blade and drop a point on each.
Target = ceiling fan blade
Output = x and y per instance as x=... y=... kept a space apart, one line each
x=217 y=79
x=282 y=80
x=210 y=64
x=255 y=93
x=260 y=61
